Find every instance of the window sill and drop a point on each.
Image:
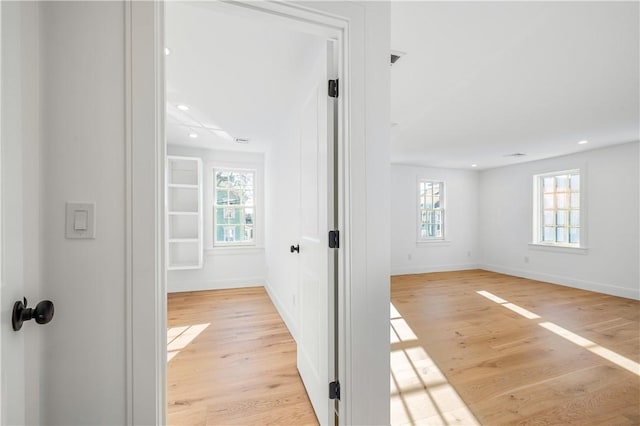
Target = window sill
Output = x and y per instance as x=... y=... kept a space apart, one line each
x=428 y=243
x=233 y=250
x=558 y=248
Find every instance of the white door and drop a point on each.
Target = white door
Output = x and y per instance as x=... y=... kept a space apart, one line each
x=316 y=347
x=15 y=130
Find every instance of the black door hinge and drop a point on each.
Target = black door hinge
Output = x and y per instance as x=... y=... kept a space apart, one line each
x=334 y=390
x=333 y=88
x=334 y=239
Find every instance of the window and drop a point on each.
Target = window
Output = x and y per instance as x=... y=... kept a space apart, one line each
x=557 y=208
x=430 y=210
x=234 y=207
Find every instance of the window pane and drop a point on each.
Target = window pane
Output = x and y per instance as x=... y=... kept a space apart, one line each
x=223 y=179
x=436 y=201
x=428 y=189
x=248 y=233
x=548 y=201
x=574 y=218
x=438 y=217
x=226 y=233
x=561 y=201
x=574 y=235
x=561 y=235
x=247 y=197
x=548 y=184
x=575 y=200
x=222 y=196
x=248 y=216
x=548 y=217
x=575 y=182
x=428 y=204
x=562 y=183
x=549 y=234
x=562 y=217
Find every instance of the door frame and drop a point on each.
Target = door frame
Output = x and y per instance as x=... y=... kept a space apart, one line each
x=146 y=302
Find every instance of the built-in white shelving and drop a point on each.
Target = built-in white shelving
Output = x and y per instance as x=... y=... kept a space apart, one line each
x=184 y=213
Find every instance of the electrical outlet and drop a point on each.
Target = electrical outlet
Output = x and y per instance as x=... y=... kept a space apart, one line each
x=409 y=256
x=526 y=259
x=469 y=253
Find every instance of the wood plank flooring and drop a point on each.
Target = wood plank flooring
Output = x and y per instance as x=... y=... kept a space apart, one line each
x=232 y=361
x=479 y=347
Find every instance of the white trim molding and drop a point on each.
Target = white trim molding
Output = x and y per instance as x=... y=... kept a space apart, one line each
x=145 y=263
x=566 y=281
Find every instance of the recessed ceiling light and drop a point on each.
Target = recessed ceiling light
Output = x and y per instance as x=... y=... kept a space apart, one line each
x=193 y=135
x=183 y=108
x=167 y=51
x=474 y=165
x=583 y=142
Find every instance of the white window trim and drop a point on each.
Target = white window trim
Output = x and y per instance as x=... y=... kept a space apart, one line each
x=213 y=247
x=536 y=243
x=443 y=201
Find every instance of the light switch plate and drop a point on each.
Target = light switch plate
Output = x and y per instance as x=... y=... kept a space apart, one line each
x=79 y=216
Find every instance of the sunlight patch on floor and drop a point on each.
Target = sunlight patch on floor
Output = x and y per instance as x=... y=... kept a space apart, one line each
x=420 y=392
x=605 y=353
x=593 y=347
x=179 y=338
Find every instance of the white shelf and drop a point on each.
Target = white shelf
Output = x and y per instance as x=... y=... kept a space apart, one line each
x=184 y=213
x=183 y=186
x=183 y=266
x=184 y=240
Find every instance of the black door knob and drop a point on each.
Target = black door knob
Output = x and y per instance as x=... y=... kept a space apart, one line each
x=42 y=313
x=295 y=248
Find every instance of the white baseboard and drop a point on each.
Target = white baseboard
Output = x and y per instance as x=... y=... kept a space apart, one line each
x=283 y=311
x=421 y=269
x=177 y=286
x=566 y=281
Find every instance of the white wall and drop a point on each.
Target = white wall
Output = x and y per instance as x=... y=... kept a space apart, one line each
x=224 y=267
x=610 y=180
x=460 y=248
x=82 y=101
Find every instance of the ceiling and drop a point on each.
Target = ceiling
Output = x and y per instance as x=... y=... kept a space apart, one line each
x=482 y=80
x=479 y=81
x=239 y=77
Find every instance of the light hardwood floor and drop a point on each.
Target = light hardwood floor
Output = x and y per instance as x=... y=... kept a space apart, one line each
x=232 y=361
x=479 y=347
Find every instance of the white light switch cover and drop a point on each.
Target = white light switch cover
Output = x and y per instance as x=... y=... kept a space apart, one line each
x=81 y=220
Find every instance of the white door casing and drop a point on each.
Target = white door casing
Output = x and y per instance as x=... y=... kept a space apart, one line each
x=361 y=31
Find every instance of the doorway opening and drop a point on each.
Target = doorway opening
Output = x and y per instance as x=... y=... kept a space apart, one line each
x=251 y=193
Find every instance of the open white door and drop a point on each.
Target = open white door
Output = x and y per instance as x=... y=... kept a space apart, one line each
x=16 y=90
x=316 y=348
